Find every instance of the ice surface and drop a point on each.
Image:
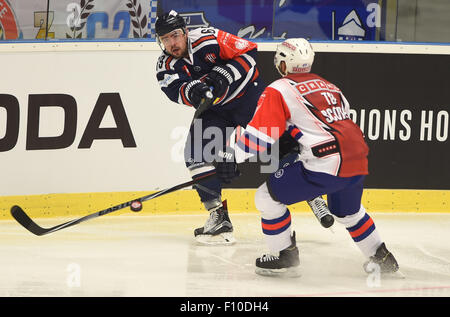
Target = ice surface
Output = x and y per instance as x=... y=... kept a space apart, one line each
x=153 y=255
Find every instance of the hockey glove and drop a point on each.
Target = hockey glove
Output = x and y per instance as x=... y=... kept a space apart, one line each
x=226 y=166
x=220 y=78
x=287 y=145
x=227 y=171
x=196 y=91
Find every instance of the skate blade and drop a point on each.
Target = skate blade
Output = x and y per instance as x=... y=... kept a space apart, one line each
x=283 y=273
x=225 y=238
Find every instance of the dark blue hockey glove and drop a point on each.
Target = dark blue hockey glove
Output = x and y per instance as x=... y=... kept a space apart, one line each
x=196 y=91
x=220 y=78
x=226 y=166
x=227 y=171
x=287 y=145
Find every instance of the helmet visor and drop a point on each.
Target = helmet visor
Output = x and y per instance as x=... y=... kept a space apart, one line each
x=165 y=40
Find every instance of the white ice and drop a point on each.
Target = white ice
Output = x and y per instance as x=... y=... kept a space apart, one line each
x=153 y=255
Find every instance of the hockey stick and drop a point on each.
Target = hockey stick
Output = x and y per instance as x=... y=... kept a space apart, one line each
x=21 y=217
x=206 y=102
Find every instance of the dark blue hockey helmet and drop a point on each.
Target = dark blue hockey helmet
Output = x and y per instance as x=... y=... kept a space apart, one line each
x=168 y=22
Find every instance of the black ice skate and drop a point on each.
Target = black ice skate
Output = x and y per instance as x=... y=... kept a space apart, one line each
x=383 y=261
x=217 y=229
x=284 y=265
x=321 y=211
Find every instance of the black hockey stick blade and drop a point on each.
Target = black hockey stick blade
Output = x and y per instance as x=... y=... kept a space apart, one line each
x=22 y=218
x=26 y=222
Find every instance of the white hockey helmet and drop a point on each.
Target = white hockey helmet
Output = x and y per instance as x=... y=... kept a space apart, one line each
x=298 y=55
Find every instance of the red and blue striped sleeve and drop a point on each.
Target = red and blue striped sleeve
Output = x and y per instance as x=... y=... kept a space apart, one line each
x=266 y=126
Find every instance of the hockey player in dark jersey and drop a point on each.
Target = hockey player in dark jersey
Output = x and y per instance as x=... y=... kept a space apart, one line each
x=192 y=64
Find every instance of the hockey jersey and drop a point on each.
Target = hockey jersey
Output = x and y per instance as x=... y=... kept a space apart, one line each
x=316 y=114
x=208 y=47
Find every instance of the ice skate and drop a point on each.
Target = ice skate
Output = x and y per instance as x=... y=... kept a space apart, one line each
x=321 y=211
x=217 y=229
x=384 y=262
x=284 y=265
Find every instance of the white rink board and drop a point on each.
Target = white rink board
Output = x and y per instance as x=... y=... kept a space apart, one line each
x=107 y=165
x=84 y=70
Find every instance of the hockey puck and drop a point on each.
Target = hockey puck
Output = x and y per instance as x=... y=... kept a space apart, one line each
x=327 y=221
x=136 y=206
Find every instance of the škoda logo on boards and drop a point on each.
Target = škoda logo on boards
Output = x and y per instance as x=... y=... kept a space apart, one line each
x=93 y=130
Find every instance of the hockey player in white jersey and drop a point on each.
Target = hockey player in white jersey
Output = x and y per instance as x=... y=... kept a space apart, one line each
x=333 y=161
